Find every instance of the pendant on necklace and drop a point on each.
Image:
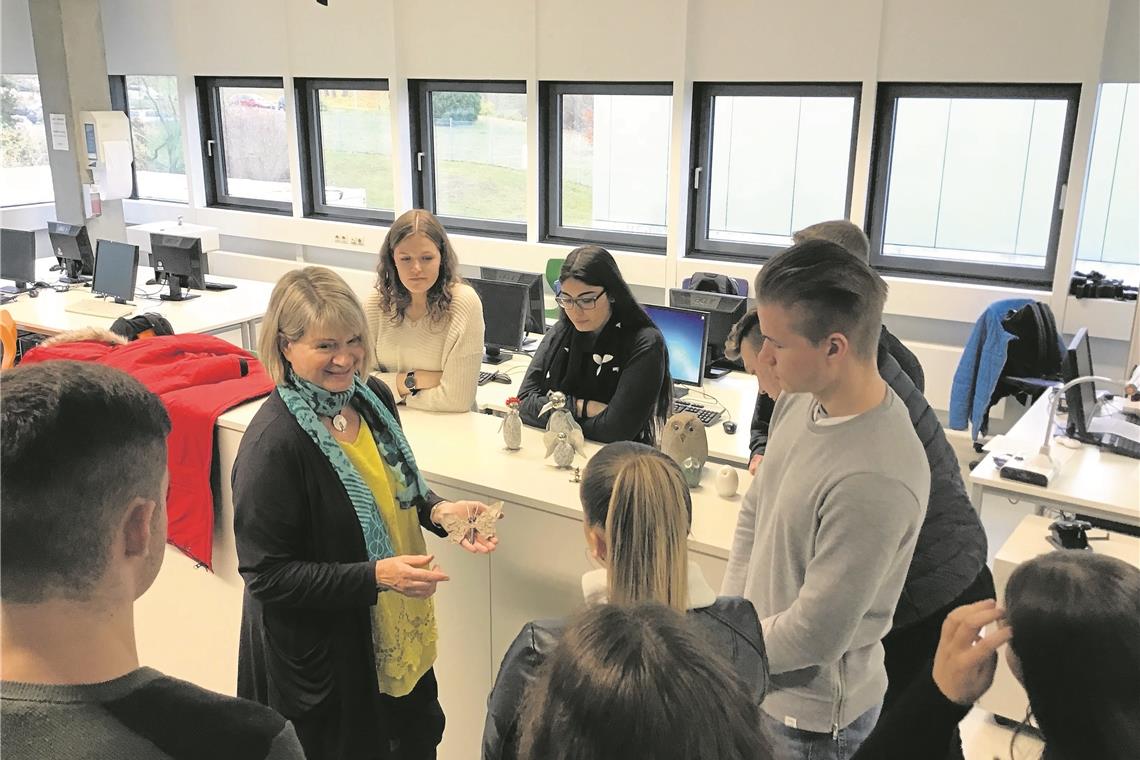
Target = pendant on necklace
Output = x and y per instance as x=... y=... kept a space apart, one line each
x=340 y=423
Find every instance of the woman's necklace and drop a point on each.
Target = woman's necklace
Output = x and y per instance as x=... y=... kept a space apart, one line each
x=340 y=422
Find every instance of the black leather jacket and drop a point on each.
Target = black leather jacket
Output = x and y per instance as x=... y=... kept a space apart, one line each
x=729 y=624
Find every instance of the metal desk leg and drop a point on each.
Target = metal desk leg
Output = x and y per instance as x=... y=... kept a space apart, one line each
x=247 y=336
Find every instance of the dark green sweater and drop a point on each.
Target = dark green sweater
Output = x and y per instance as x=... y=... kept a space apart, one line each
x=143 y=715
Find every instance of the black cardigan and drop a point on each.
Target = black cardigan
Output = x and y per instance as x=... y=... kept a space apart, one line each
x=629 y=413
x=306 y=630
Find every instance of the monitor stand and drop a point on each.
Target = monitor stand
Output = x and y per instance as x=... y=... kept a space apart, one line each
x=174 y=285
x=494 y=355
x=679 y=391
x=73 y=272
x=19 y=287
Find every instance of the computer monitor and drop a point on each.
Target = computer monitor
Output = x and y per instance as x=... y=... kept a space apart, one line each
x=536 y=312
x=724 y=311
x=504 y=316
x=72 y=249
x=116 y=267
x=686 y=335
x=178 y=259
x=1081 y=398
x=18 y=260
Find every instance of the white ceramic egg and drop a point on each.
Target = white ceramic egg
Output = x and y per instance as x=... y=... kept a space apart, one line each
x=727 y=481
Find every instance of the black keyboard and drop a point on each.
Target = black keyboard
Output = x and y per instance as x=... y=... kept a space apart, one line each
x=210 y=285
x=485 y=377
x=704 y=414
x=1118 y=444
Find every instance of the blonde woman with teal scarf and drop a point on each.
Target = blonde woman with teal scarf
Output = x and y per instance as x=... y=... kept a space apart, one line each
x=338 y=629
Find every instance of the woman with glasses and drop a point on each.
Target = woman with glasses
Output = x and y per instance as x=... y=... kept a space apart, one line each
x=604 y=353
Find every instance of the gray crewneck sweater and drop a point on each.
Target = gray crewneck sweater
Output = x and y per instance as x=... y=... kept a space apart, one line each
x=822 y=545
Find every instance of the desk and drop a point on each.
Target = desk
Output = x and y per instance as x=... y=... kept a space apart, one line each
x=535 y=573
x=736 y=391
x=212 y=313
x=1006 y=698
x=1091 y=481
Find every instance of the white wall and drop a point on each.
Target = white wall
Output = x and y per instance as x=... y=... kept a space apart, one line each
x=16 y=53
x=677 y=41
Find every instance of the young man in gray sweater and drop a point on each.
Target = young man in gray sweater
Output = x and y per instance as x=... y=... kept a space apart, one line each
x=83 y=533
x=827 y=529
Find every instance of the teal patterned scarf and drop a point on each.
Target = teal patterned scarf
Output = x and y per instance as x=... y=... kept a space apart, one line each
x=309 y=402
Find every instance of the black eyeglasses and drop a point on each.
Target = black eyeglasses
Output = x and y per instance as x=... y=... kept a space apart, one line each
x=586 y=302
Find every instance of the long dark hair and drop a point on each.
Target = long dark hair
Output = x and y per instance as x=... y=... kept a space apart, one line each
x=394 y=297
x=639 y=497
x=595 y=266
x=1076 y=630
x=638 y=682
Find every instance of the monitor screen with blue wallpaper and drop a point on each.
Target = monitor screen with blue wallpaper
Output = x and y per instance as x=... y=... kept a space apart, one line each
x=686 y=335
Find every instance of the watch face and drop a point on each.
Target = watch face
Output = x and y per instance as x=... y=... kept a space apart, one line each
x=410 y=380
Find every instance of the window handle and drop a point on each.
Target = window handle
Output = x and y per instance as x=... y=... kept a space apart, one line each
x=420 y=161
x=210 y=148
x=697 y=178
x=1061 y=200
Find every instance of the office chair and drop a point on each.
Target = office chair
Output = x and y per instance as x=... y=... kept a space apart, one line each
x=553 y=270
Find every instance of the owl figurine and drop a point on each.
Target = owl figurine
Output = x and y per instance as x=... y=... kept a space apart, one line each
x=564 y=446
x=512 y=426
x=685 y=442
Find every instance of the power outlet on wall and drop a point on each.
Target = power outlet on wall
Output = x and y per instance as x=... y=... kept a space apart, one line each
x=348 y=240
x=356 y=241
x=340 y=239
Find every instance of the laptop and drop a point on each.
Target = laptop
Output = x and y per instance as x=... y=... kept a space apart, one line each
x=1110 y=432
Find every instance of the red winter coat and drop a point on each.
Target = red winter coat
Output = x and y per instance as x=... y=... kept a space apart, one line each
x=197 y=377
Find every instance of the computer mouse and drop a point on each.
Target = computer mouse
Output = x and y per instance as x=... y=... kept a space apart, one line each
x=729 y=426
x=33 y=293
x=499 y=377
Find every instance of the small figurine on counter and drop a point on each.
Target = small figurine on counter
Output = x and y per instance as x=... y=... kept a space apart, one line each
x=686 y=443
x=564 y=446
x=512 y=426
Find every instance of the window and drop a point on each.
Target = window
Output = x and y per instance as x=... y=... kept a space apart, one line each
x=244 y=145
x=469 y=151
x=606 y=170
x=770 y=159
x=151 y=103
x=1110 y=236
x=969 y=180
x=347 y=138
x=25 y=176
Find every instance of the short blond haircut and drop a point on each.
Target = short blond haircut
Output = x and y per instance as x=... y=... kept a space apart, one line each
x=304 y=299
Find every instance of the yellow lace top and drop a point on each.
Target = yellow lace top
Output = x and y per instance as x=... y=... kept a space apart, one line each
x=403 y=629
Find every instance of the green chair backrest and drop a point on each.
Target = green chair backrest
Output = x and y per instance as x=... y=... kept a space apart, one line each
x=553 y=269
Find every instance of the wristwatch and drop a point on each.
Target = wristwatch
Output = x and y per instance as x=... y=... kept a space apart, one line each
x=410 y=382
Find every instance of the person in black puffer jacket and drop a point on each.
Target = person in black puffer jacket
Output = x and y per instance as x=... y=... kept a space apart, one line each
x=633 y=497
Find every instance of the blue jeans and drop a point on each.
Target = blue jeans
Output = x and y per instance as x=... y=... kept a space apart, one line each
x=796 y=744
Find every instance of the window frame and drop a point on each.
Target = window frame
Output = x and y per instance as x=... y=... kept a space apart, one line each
x=309 y=130
x=551 y=229
x=699 y=244
x=423 y=152
x=214 y=162
x=887 y=97
x=119 y=102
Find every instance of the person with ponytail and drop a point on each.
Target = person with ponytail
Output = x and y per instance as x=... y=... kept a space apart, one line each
x=338 y=630
x=636 y=517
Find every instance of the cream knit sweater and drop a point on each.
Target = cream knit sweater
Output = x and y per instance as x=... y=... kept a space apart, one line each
x=454 y=345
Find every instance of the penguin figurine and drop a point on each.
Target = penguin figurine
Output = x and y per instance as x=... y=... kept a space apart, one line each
x=561 y=420
x=564 y=446
x=512 y=426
